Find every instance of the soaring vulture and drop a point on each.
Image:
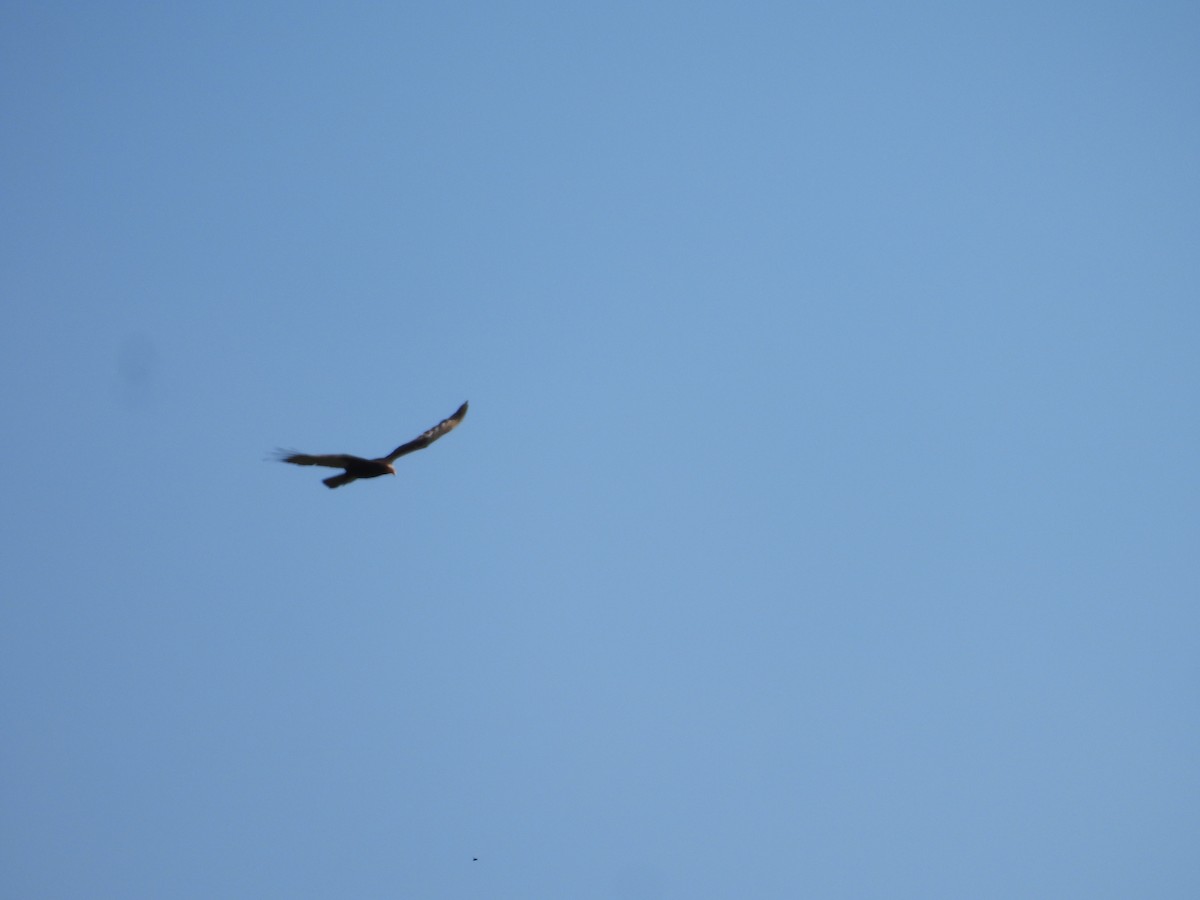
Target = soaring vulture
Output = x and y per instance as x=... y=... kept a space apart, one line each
x=356 y=467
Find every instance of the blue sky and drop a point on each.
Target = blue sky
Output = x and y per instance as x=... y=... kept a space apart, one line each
x=824 y=524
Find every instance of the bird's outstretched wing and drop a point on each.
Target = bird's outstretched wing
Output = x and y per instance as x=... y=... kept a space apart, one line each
x=443 y=427
x=333 y=460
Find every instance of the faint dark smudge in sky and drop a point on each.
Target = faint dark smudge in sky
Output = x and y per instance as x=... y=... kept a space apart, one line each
x=137 y=371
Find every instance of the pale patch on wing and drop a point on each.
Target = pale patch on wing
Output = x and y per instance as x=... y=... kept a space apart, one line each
x=441 y=428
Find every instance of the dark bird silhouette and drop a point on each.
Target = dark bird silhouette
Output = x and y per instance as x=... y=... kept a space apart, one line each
x=356 y=467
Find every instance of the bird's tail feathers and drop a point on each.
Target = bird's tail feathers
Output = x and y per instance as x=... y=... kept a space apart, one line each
x=338 y=480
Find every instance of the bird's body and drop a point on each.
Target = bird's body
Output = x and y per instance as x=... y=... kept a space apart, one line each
x=357 y=467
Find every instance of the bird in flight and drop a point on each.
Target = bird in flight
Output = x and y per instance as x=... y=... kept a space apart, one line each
x=356 y=467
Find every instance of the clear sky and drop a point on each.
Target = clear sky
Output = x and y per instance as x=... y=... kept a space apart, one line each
x=825 y=523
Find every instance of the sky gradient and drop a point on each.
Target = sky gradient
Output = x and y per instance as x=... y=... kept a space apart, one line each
x=824 y=524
